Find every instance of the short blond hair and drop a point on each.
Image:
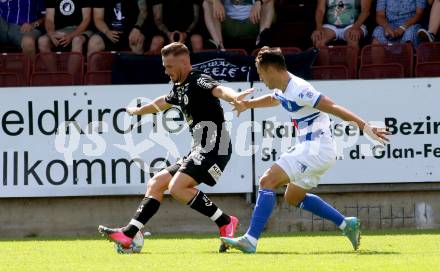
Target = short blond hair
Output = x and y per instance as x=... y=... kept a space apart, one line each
x=175 y=49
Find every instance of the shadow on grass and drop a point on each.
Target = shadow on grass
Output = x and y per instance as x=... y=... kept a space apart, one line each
x=200 y=236
x=360 y=252
x=235 y=252
x=364 y=232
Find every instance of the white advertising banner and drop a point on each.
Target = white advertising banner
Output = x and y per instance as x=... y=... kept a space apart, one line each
x=408 y=107
x=78 y=141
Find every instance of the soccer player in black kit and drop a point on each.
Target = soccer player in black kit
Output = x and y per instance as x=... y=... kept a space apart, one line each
x=198 y=96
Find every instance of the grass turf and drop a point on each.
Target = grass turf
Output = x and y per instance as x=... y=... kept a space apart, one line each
x=380 y=250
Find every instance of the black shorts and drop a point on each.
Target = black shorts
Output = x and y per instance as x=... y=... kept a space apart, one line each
x=202 y=167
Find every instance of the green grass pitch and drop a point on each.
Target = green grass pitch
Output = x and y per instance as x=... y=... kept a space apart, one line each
x=380 y=250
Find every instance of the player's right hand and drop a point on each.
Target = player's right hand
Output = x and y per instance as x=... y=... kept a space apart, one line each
x=132 y=110
x=238 y=103
x=378 y=134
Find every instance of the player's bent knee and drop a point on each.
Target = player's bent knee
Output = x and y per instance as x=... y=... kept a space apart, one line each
x=292 y=201
x=174 y=189
x=152 y=184
x=268 y=183
x=158 y=184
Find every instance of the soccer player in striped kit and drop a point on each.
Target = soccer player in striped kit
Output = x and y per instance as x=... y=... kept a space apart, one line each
x=301 y=167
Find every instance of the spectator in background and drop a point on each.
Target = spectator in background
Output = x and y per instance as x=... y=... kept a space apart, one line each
x=398 y=21
x=119 y=23
x=344 y=20
x=66 y=24
x=238 y=18
x=434 y=23
x=176 y=20
x=19 y=23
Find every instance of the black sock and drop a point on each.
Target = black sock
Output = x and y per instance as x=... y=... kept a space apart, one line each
x=202 y=204
x=147 y=208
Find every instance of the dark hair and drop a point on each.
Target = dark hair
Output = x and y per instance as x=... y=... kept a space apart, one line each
x=175 y=49
x=271 y=57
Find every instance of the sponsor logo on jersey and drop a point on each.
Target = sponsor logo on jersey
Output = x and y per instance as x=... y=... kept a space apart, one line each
x=204 y=82
x=307 y=93
x=301 y=167
x=215 y=172
x=197 y=158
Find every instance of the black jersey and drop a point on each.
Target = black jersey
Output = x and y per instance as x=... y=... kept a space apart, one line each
x=202 y=111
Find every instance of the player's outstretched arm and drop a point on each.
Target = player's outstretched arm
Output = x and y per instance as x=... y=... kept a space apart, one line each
x=325 y=104
x=157 y=105
x=262 y=101
x=228 y=94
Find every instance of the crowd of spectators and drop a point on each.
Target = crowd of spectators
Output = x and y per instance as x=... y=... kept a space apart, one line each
x=145 y=26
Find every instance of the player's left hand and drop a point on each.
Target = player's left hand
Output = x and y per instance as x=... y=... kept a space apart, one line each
x=379 y=134
x=238 y=103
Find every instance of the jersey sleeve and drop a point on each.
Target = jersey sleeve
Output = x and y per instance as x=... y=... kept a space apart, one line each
x=308 y=97
x=171 y=98
x=206 y=82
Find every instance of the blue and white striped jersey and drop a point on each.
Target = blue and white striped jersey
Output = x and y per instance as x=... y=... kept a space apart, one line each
x=300 y=98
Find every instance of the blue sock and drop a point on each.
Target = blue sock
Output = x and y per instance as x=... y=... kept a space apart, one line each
x=319 y=207
x=263 y=210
